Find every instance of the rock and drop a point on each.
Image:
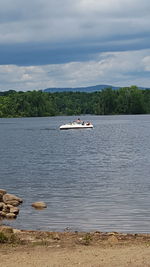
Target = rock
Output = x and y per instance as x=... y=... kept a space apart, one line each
x=39 y=205
x=5 y=208
x=56 y=237
x=10 y=216
x=12 y=199
x=17 y=231
x=2 y=214
x=8 y=205
x=1 y=206
x=2 y=192
x=6 y=229
x=15 y=203
x=14 y=210
x=113 y=239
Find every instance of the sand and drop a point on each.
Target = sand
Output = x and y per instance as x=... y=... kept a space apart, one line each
x=50 y=249
x=80 y=256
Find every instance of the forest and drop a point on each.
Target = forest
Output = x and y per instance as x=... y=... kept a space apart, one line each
x=126 y=100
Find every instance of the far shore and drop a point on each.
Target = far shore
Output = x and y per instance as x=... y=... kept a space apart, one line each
x=57 y=249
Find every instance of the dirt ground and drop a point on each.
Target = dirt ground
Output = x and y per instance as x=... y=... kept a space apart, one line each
x=51 y=249
x=80 y=256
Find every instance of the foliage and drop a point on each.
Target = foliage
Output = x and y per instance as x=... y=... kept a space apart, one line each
x=127 y=100
x=87 y=239
x=10 y=238
x=3 y=238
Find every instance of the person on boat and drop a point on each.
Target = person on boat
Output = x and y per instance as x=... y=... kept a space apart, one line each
x=78 y=120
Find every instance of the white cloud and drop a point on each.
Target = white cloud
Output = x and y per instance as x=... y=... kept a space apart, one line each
x=146 y=62
x=56 y=31
x=115 y=68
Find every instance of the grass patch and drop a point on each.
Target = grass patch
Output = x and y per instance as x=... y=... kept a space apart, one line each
x=3 y=238
x=9 y=239
x=87 y=239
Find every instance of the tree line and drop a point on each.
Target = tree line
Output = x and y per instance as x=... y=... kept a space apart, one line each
x=126 y=100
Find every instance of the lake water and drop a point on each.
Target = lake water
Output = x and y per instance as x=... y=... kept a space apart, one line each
x=92 y=179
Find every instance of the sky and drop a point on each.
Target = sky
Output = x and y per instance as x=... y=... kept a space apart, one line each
x=73 y=43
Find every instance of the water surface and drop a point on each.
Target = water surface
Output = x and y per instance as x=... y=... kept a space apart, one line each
x=93 y=179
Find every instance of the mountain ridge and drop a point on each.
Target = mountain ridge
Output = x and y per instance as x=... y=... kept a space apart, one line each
x=87 y=89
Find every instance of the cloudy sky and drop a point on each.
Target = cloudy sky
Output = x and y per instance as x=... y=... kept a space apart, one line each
x=73 y=43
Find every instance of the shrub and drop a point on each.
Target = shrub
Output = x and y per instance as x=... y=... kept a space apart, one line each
x=3 y=238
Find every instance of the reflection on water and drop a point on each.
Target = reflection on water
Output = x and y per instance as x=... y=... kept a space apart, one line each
x=90 y=179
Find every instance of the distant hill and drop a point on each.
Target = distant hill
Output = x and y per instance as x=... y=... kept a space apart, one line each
x=88 y=89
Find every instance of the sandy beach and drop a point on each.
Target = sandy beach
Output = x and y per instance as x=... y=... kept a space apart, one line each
x=51 y=249
x=80 y=256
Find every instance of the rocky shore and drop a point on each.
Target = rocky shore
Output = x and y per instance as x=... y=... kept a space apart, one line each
x=21 y=248
x=9 y=205
x=57 y=249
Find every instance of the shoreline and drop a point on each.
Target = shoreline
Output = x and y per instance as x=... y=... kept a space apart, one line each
x=29 y=237
x=121 y=236
x=58 y=249
x=25 y=248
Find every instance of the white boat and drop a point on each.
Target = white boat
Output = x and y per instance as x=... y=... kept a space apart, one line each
x=78 y=124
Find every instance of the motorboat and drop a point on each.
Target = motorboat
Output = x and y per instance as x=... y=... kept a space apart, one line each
x=78 y=124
